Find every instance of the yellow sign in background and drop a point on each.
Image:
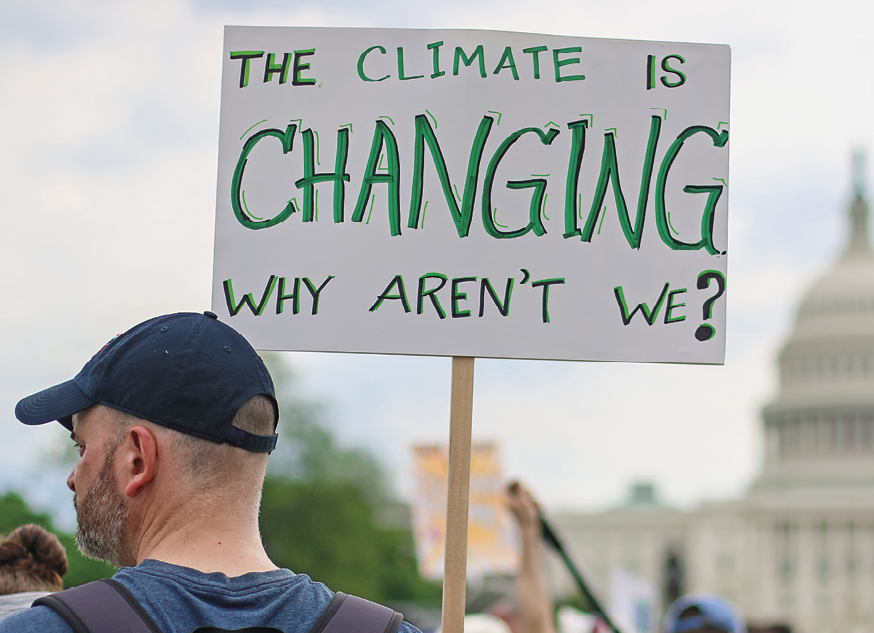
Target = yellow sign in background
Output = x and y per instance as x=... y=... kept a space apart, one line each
x=493 y=540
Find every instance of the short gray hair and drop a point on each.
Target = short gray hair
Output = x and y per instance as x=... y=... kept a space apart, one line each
x=204 y=459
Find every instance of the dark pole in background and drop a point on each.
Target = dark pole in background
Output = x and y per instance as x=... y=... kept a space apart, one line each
x=551 y=539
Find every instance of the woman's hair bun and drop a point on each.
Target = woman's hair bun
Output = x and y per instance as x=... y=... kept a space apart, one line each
x=31 y=559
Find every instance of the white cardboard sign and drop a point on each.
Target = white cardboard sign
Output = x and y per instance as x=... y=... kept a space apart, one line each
x=473 y=193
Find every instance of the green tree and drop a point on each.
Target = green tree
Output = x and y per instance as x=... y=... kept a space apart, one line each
x=329 y=531
x=322 y=503
x=14 y=512
x=307 y=451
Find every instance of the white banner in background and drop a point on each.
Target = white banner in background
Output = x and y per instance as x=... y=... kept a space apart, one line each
x=473 y=193
x=632 y=602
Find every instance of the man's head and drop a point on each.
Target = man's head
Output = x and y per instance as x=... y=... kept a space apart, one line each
x=182 y=387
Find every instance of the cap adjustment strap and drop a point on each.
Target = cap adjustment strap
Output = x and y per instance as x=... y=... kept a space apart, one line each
x=251 y=441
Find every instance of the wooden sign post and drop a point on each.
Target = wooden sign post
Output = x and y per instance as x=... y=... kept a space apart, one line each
x=455 y=559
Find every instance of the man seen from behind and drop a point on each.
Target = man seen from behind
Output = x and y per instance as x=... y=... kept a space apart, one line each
x=173 y=421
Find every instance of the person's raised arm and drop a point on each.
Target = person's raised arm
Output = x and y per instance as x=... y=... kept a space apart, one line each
x=535 y=608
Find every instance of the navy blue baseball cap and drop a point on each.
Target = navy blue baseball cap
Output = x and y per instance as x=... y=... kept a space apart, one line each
x=697 y=611
x=188 y=372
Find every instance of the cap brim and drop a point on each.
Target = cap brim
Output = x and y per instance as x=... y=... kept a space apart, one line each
x=55 y=403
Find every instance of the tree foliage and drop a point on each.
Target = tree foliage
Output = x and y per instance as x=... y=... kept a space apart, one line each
x=330 y=532
x=307 y=451
x=320 y=514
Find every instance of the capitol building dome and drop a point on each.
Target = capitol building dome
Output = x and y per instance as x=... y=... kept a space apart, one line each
x=820 y=428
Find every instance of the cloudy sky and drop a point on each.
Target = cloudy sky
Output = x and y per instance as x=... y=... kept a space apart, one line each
x=109 y=116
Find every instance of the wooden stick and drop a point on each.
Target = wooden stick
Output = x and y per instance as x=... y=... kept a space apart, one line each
x=458 y=498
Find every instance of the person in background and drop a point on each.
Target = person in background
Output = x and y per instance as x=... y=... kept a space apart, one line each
x=32 y=564
x=534 y=608
x=695 y=613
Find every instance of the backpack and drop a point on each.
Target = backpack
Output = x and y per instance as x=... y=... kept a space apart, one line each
x=107 y=606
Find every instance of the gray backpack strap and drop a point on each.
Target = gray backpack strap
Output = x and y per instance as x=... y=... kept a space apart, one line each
x=106 y=606
x=351 y=614
x=102 y=606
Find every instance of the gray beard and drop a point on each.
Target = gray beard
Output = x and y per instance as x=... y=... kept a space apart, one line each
x=102 y=515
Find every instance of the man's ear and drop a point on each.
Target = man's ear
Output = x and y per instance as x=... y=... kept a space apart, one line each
x=139 y=454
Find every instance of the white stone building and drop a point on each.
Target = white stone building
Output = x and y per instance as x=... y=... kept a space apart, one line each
x=798 y=547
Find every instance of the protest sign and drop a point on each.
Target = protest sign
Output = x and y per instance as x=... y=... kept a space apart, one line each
x=493 y=541
x=458 y=193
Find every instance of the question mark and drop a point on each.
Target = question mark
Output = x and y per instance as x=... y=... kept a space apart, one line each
x=705 y=331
